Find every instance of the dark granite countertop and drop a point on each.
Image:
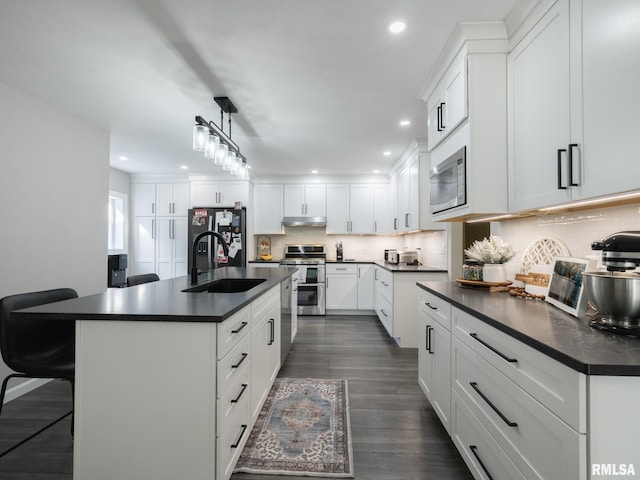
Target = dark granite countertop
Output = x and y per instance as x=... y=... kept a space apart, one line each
x=164 y=300
x=402 y=267
x=565 y=338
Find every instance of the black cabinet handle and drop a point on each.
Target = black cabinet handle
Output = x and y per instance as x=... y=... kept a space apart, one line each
x=560 y=187
x=494 y=350
x=244 y=356
x=426 y=338
x=429 y=330
x=570 y=160
x=272 y=329
x=430 y=306
x=244 y=429
x=244 y=387
x=473 y=449
x=244 y=324
x=474 y=385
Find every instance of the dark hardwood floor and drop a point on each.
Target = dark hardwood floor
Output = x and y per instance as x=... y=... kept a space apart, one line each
x=396 y=434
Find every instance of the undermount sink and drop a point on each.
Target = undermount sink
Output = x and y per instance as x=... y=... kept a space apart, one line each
x=227 y=285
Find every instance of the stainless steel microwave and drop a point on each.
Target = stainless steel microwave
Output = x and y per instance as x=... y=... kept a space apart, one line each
x=448 y=182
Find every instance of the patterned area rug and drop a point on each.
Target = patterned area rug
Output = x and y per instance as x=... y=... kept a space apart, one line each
x=303 y=429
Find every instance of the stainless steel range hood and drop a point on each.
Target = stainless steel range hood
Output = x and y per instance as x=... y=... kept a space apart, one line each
x=304 y=221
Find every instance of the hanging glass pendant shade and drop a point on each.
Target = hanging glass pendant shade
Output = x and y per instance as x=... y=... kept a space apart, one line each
x=222 y=154
x=200 y=136
x=229 y=161
x=211 y=149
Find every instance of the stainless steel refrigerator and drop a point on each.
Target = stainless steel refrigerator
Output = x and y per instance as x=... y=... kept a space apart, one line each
x=231 y=224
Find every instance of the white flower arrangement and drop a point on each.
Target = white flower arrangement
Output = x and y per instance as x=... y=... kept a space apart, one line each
x=490 y=250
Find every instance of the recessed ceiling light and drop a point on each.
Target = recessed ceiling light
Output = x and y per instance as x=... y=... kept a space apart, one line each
x=405 y=123
x=386 y=153
x=314 y=171
x=184 y=167
x=123 y=158
x=376 y=171
x=397 y=26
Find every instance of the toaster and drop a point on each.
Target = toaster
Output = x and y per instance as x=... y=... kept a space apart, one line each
x=393 y=257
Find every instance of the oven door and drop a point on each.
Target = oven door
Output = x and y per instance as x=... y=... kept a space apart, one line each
x=311 y=299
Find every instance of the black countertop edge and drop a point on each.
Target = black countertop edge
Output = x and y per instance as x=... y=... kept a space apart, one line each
x=264 y=261
x=401 y=267
x=164 y=300
x=611 y=354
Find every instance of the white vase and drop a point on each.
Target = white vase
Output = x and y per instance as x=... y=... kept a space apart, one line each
x=494 y=273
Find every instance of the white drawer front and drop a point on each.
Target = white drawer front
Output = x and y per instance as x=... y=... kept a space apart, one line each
x=232 y=440
x=262 y=305
x=338 y=269
x=231 y=366
x=479 y=450
x=435 y=307
x=558 y=387
x=540 y=444
x=232 y=330
x=233 y=398
x=385 y=284
x=385 y=313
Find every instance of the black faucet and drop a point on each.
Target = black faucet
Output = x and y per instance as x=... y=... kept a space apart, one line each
x=194 y=268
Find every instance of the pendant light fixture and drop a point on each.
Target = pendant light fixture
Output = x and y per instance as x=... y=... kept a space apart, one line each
x=217 y=145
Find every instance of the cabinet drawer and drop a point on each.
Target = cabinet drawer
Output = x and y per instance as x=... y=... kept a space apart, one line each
x=559 y=388
x=384 y=310
x=479 y=450
x=232 y=366
x=341 y=269
x=232 y=440
x=540 y=444
x=435 y=307
x=233 y=398
x=232 y=330
x=384 y=284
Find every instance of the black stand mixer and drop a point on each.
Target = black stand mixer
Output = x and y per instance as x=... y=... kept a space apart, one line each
x=615 y=294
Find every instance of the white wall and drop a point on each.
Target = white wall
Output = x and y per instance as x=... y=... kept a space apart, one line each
x=54 y=182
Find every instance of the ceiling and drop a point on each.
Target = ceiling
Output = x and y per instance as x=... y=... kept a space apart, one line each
x=319 y=84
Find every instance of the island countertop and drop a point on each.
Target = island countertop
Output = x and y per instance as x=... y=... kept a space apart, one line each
x=164 y=300
x=568 y=339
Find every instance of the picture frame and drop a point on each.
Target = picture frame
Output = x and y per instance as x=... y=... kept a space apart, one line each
x=566 y=288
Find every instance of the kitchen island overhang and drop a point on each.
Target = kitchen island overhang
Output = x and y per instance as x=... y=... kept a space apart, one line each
x=167 y=382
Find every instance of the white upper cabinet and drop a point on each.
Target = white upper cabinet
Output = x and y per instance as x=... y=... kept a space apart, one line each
x=540 y=113
x=305 y=200
x=573 y=103
x=471 y=74
x=144 y=199
x=338 y=208
x=268 y=209
x=447 y=105
x=382 y=209
x=223 y=193
x=172 y=199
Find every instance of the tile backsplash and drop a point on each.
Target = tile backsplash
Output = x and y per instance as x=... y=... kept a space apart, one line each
x=575 y=229
x=433 y=244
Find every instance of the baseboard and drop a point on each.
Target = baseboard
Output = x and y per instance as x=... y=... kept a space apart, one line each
x=24 y=387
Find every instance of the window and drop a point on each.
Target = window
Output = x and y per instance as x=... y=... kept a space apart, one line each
x=117 y=222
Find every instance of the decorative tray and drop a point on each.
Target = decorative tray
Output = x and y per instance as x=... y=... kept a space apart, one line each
x=475 y=283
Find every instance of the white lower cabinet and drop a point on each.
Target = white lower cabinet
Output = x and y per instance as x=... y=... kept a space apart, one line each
x=350 y=286
x=515 y=413
x=185 y=405
x=434 y=354
x=366 y=287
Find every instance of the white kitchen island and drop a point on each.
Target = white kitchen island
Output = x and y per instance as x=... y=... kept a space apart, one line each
x=164 y=378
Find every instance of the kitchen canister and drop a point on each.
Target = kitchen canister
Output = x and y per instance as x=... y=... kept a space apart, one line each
x=494 y=272
x=472 y=270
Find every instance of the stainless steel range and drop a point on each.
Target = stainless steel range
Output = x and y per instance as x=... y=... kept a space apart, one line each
x=311 y=275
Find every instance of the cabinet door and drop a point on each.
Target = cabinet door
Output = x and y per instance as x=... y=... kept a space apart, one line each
x=455 y=93
x=413 y=206
x=315 y=200
x=440 y=343
x=610 y=72
x=402 y=205
x=539 y=112
x=231 y=192
x=337 y=208
x=144 y=245
x=204 y=194
x=342 y=292
x=425 y=358
x=180 y=246
x=164 y=199
x=268 y=209
x=361 y=209
x=382 y=216
x=164 y=248
x=181 y=201
x=366 y=287
x=294 y=201
x=144 y=199
x=435 y=105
